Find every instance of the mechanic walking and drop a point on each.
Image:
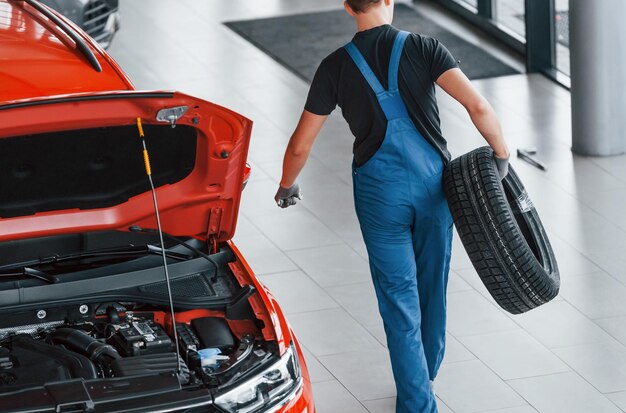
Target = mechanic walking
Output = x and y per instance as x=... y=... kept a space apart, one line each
x=384 y=82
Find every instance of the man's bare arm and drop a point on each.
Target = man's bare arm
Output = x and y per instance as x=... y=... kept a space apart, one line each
x=300 y=146
x=457 y=85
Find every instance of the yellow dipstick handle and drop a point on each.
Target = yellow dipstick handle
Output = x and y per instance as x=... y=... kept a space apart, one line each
x=141 y=135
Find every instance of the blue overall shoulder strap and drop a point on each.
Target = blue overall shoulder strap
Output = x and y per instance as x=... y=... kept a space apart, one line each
x=394 y=62
x=365 y=69
x=390 y=100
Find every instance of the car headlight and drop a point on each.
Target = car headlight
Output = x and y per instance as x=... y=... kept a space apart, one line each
x=267 y=391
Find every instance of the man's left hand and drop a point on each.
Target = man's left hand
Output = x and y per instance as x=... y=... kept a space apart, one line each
x=502 y=164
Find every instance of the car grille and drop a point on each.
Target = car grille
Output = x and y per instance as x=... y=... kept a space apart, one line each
x=95 y=17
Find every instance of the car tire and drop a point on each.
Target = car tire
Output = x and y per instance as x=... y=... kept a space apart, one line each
x=501 y=232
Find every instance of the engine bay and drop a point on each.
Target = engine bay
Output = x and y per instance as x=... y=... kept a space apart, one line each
x=113 y=340
x=88 y=322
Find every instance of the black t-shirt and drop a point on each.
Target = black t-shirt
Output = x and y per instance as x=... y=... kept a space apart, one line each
x=339 y=82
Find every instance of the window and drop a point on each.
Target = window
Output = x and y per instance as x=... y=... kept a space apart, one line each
x=511 y=15
x=561 y=21
x=538 y=29
x=473 y=3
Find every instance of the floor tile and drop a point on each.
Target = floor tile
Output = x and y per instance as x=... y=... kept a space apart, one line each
x=469 y=386
x=569 y=260
x=607 y=203
x=388 y=405
x=258 y=199
x=359 y=300
x=355 y=371
x=315 y=178
x=295 y=229
x=267 y=143
x=469 y=313
x=618 y=398
x=616 y=327
x=563 y=393
x=521 y=409
x=263 y=256
x=583 y=228
x=597 y=295
x=442 y=407
x=603 y=364
x=611 y=260
x=455 y=351
x=559 y=324
x=332 y=397
x=332 y=266
x=297 y=293
x=615 y=165
x=514 y=354
x=581 y=175
x=333 y=331
x=317 y=372
x=378 y=332
x=459 y=259
x=245 y=228
x=457 y=284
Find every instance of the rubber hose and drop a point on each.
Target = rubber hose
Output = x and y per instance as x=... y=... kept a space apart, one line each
x=81 y=342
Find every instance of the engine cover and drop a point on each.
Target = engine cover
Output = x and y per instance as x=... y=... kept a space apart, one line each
x=150 y=364
x=30 y=362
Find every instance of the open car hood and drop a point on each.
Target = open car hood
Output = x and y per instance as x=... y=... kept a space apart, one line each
x=74 y=163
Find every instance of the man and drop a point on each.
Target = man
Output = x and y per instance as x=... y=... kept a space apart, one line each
x=384 y=82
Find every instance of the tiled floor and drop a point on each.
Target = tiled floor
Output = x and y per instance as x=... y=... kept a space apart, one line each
x=568 y=356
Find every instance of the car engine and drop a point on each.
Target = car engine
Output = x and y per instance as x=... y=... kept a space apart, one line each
x=110 y=340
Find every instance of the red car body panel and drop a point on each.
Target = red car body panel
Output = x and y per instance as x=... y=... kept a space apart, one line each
x=38 y=59
x=46 y=85
x=303 y=402
x=208 y=198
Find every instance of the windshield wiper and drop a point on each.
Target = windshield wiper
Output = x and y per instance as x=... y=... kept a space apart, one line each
x=31 y=272
x=128 y=251
x=177 y=241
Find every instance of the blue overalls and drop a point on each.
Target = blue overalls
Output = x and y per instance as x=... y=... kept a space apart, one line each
x=407 y=228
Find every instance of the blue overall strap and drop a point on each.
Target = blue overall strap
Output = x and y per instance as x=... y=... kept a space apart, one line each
x=390 y=101
x=365 y=69
x=394 y=62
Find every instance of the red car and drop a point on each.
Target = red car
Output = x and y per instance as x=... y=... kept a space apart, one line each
x=99 y=310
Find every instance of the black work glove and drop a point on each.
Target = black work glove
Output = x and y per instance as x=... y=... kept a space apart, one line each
x=502 y=164
x=286 y=197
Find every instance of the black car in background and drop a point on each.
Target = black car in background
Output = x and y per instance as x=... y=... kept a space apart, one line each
x=99 y=18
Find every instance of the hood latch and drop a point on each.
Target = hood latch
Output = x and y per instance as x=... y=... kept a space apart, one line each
x=215 y=221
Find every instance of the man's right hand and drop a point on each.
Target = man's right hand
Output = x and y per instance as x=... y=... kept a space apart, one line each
x=286 y=197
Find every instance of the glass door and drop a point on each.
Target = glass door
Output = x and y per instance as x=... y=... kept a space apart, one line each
x=472 y=3
x=561 y=21
x=511 y=15
x=538 y=29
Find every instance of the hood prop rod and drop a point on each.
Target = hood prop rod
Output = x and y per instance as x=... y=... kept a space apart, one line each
x=146 y=159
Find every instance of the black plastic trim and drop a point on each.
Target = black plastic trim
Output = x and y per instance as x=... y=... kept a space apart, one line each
x=150 y=393
x=81 y=45
x=64 y=292
x=131 y=95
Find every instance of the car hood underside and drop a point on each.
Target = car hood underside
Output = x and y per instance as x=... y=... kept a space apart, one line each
x=74 y=163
